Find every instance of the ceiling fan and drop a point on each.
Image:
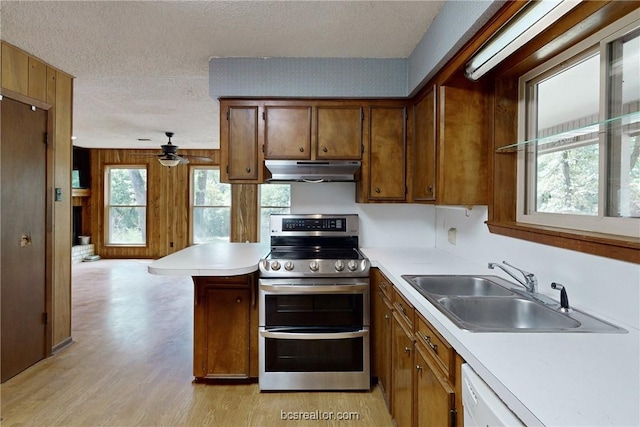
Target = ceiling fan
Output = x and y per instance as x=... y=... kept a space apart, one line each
x=170 y=158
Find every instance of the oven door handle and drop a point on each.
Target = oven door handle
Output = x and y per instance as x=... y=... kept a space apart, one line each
x=317 y=289
x=313 y=336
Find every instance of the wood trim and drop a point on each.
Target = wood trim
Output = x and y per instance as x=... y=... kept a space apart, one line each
x=623 y=249
x=25 y=99
x=62 y=345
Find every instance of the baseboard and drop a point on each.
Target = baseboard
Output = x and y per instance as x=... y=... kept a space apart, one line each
x=61 y=346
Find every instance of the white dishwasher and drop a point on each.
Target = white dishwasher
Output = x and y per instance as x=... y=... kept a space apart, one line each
x=482 y=407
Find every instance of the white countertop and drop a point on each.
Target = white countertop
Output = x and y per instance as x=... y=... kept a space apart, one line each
x=211 y=259
x=553 y=379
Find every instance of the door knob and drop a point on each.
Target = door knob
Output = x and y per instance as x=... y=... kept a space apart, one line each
x=25 y=240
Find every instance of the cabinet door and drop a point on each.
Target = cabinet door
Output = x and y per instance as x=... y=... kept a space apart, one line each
x=222 y=332
x=402 y=360
x=239 y=143
x=382 y=314
x=387 y=153
x=287 y=132
x=435 y=398
x=424 y=149
x=339 y=133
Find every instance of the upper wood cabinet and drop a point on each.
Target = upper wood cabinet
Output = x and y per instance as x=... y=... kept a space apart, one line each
x=240 y=142
x=384 y=178
x=449 y=151
x=424 y=147
x=287 y=132
x=26 y=75
x=339 y=132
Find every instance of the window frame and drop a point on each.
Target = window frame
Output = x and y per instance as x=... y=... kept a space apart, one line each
x=192 y=169
x=598 y=43
x=108 y=205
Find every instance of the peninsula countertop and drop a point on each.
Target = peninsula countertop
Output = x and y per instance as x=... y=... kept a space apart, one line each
x=211 y=259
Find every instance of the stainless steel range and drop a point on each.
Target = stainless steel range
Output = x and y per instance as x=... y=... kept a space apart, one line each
x=314 y=305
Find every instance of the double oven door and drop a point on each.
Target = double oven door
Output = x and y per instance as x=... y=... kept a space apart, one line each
x=314 y=334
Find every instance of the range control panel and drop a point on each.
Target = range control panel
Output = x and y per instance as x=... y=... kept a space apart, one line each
x=314 y=224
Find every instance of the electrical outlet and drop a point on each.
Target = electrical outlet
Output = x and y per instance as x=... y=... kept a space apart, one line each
x=451 y=235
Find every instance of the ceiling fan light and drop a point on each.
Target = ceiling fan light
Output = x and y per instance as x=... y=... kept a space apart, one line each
x=168 y=162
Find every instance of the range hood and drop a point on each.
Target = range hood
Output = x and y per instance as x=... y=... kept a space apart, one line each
x=312 y=170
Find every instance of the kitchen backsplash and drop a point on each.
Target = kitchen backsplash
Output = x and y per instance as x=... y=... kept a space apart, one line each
x=596 y=284
x=380 y=224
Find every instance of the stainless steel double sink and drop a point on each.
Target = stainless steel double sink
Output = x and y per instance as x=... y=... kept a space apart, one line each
x=479 y=303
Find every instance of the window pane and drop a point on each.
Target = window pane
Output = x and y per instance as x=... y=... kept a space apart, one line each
x=274 y=199
x=566 y=160
x=128 y=187
x=127 y=225
x=623 y=198
x=211 y=225
x=275 y=195
x=211 y=207
x=207 y=189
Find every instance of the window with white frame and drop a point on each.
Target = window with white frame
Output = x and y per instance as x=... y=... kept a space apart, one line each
x=210 y=203
x=580 y=120
x=274 y=199
x=126 y=205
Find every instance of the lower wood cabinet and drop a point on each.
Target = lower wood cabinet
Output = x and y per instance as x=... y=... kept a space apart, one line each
x=417 y=369
x=435 y=398
x=225 y=328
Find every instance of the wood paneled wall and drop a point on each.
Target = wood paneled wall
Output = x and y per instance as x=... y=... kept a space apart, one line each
x=28 y=79
x=168 y=203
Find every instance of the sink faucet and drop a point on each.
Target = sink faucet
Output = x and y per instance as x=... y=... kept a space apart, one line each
x=530 y=282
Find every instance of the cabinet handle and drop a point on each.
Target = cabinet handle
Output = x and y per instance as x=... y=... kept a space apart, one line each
x=430 y=189
x=407 y=349
x=401 y=307
x=248 y=170
x=433 y=346
x=377 y=190
x=419 y=368
x=383 y=285
x=324 y=149
x=302 y=149
x=386 y=317
x=239 y=300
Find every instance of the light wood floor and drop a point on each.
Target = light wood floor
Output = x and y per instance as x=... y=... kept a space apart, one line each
x=131 y=365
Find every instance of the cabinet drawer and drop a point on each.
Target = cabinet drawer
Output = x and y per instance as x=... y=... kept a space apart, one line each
x=403 y=308
x=382 y=283
x=437 y=346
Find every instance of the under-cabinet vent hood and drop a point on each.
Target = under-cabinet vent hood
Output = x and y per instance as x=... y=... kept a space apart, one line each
x=312 y=170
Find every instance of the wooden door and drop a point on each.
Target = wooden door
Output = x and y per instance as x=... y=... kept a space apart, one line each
x=339 y=133
x=387 y=153
x=240 y=144
x=435 y=398
x=424 y=149
x=402 y=377
x=287 y=132
x=23 y=230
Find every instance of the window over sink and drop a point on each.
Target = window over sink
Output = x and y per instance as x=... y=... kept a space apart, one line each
x=579 y=118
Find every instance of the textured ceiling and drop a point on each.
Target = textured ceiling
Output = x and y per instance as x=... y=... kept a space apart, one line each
x=142 y=68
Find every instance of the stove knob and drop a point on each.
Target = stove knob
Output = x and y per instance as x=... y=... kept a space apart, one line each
x=313 y=266
x=352 y=265
x=288 y=266
x=339 y=265
x=275 y=266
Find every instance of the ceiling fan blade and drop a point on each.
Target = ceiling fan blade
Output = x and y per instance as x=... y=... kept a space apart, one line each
x=201 y=158
x=182 y=159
